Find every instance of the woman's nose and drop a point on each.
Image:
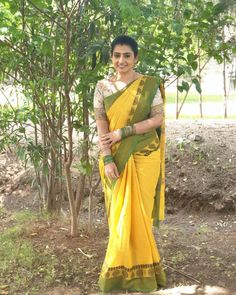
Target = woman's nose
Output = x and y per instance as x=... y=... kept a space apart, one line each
x=121 y=59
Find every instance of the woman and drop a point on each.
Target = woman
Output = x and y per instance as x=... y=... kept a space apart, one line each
x=128 y=109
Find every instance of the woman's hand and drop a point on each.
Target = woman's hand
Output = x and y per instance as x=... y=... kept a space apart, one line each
x=111 y=138
x=111 y=171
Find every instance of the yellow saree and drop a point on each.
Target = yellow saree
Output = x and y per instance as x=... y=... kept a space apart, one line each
x=136 y=199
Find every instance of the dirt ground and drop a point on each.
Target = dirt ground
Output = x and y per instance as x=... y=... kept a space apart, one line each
x=197 y=240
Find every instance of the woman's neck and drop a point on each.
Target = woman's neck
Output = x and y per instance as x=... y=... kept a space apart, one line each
x=126 y=77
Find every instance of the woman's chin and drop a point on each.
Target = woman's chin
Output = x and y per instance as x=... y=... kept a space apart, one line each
x=123 y=70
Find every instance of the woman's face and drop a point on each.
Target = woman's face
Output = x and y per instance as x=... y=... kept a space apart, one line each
x=123 y=58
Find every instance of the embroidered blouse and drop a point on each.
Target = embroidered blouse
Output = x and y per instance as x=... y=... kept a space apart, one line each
x=105 y=88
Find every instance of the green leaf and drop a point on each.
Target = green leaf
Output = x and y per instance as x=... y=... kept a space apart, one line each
x=105 y=55
x=13 y=8
x=33 y=118
x=218 y=8
x=194 y=65
x=91 y=29
x=41 y=3
x=187 y=13
x=191 y=57
x=47 y=48
x=177 y=27
x=96 y=46
x=129 y=9
x=197 y=85
x=180 y=88
x=184 y=86
x=84 y=167
x=21 y=153
x=21 y=130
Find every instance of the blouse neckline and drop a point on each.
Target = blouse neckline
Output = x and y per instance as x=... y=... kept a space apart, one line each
x=125 y=85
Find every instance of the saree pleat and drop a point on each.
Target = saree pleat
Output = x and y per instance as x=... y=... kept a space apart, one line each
x=132 y=261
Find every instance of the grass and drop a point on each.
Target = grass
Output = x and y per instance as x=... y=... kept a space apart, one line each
x=194 y=115
x=197 y=117
x=2 y=211
x=31 y=260
x=23 y=216
x=17 y=258
x=20 y=262
x=194 y=97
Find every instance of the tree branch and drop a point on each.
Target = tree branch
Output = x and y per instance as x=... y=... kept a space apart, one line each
x=44 y=13
x=73 y=8
x=10 y=75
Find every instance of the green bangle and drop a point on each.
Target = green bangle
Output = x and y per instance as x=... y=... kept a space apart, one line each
x=127 y=131
x=107 y=159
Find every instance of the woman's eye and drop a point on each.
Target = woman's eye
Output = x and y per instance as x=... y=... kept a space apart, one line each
x=125 y=56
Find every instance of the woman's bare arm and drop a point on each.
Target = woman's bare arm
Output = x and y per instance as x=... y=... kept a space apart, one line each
x=111 y=170
x=149 y=124
x=102 y=127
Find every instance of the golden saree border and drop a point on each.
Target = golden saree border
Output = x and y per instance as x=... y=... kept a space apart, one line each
x=137 y=271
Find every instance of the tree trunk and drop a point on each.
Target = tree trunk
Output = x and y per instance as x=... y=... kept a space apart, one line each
x=73 y=214
x=84 y=157
x=79 y=194
x=91 y=205
x=224 y=81
x=177 y=101
x=199 y=76
x=225 y=91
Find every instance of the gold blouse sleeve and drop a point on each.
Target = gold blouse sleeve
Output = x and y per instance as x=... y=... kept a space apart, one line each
x=99 y=109
x=157 y=107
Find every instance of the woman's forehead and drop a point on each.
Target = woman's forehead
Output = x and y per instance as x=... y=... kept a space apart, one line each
x=122 y=48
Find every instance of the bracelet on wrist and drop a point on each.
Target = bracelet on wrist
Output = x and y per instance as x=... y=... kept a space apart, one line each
x=127 y=131
x=107 y=159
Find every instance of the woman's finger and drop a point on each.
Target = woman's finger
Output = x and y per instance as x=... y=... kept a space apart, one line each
x=111 y=176
x=104 y=138
x=116 y=173
x=105 y=135
x=108 y=175
x=107 y=140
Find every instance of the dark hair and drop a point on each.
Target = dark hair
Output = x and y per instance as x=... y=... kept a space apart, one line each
x=125 y=40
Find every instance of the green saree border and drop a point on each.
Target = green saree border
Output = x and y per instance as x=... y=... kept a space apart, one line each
x=144 y=284
x=110 y=99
